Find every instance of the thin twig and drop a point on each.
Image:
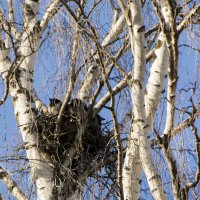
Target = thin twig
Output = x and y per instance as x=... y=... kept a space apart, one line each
x=116 y=131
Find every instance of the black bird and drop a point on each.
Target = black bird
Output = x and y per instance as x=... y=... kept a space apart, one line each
x=54 y=106
x=77 y=107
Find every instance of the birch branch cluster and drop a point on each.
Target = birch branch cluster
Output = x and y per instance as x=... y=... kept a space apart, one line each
x=103 y=68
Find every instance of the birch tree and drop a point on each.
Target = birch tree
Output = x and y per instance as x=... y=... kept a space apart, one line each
x=122 y=121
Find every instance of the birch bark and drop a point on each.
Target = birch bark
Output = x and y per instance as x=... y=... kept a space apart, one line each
x=20 y=74
x=138 y=153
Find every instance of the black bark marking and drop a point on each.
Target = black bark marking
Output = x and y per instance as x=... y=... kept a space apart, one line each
x=13 y=84
x=151 y=99
x=21 y=91
x=26 y=93
x=138 y=83
x=37 y=28
x=25 y=128
x=127 y=168
x=31 y=71
x=31 y=80
x=154 y=177
x=26 y=111
x=163 y=91
x=2 y=174
x=154 y=190
x=172 y=96
x=35 y=1
x=159 y=44
x=138 y=120
x=17 y=114
x=29 y=10
x=146 y=126
x=141 y=29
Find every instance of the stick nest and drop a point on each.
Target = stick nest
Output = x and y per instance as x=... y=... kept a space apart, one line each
x=95 y=148
x=94 y=140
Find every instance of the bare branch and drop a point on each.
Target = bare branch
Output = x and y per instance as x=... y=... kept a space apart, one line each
x=176 y=182
x=30 y=12
x=197 y=176
x=188 y=18
x=11 y=185
x=72 y=79
x=10 y=11
x=89 y=82
x=8 y=27
x=49 y=14
x=185 y=124
x=114 y=31
x=12 y=19
x=104 y=100
x=116 y=131
x=5 y=66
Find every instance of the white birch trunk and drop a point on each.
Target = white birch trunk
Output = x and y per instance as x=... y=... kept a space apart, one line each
x=22 y=93
x=115 y=31
x=25 y=111
x=140 y=145
x=85 y=92
x=156 y=81
x=167 y=12
x=155 y=87
x=131 y=175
